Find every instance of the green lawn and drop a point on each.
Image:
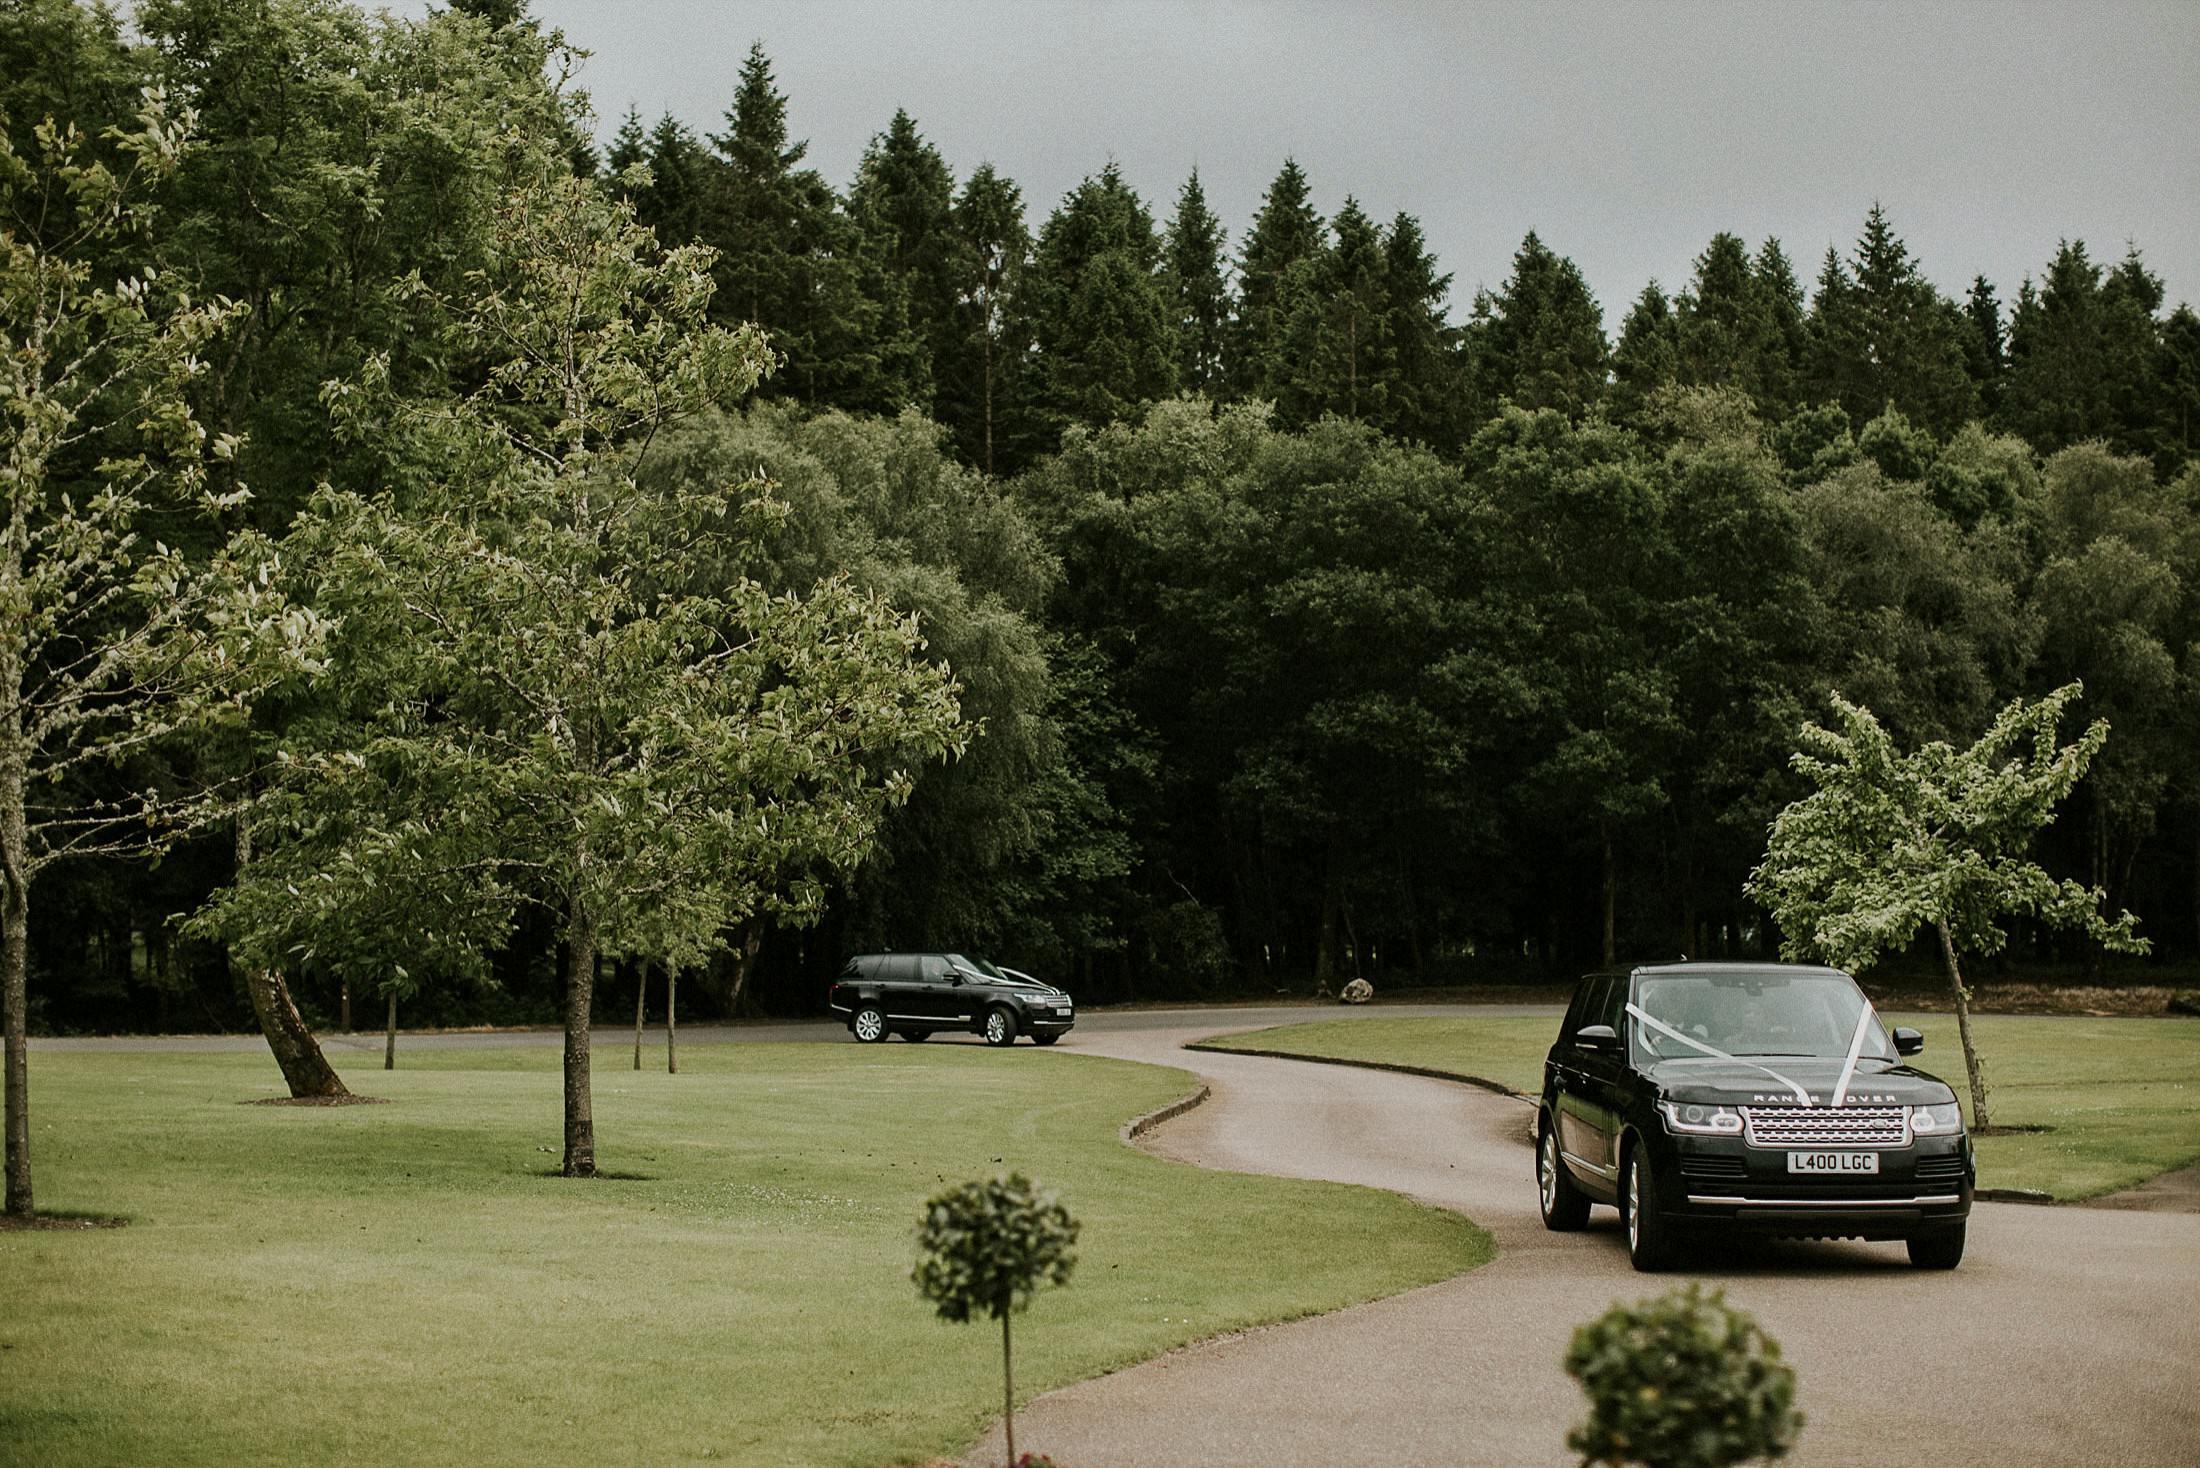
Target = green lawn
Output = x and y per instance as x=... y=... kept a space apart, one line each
x=2123 y=1095
x=404 y=1283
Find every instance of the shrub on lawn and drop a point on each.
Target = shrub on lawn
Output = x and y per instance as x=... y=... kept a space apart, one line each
x=987 y=1248
x=1681 y=1381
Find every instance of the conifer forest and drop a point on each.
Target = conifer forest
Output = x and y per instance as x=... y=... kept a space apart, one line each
x=466 y=553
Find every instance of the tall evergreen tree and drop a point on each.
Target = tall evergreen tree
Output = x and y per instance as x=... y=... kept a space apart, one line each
x=903 y=203
x=1539 y=341
x=984 y=379
x=1199 y=295
x=1985 y=352
x=1883 y=335
x=1420 y=403
x=1098 y=308
x=1648 y=354
x=1723 y=331
x=629 y=144
x=1274 y=277
x=788 y=259
x=1782 y=296
x=682 y=178
x=1335 y=358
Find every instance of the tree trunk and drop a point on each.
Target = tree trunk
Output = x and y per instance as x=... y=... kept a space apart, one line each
x=672 y=1021
x=1008 y=1391
x=1325 y=948
x=1971 y=1062
x=641 y=998
x=389 y=1035
x=305 y=1069
x=15 y=999
x=580 y=993
x=1611 y=896
x=744 y=958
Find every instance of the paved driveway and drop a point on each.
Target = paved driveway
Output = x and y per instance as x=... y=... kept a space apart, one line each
x=2068 y=1336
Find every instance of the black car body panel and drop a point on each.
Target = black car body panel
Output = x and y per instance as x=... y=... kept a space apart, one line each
x=1825 y=1145
x=918 y=994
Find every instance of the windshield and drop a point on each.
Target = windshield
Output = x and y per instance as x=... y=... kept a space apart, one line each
x=975 y=965
x=1755 y=1015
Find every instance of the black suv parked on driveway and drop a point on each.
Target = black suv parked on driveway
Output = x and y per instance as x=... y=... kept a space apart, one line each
x=913 y=994
x=1700 y=1097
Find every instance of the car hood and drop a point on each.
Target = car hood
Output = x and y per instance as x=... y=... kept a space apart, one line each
x=1024 y=984
x=1876 y=1082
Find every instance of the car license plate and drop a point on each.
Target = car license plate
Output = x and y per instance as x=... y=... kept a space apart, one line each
x=1836 y=1162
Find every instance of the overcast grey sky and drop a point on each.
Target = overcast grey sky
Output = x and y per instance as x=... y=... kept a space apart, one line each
x=1626 y=134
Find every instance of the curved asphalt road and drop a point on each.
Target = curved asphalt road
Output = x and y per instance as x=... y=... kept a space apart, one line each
x=2068 y=1336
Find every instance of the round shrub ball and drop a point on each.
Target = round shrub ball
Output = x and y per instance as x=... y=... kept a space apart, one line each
x=1681 y=1381
x=988 y=1245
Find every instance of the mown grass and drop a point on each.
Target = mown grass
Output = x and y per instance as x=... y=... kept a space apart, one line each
x=2122 y=1095
x=405 y=1283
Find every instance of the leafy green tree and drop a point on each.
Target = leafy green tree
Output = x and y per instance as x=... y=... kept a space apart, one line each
x=1275 y=262
x=1682 y=1381
x=1198 y=292
x=111 y=641
x=1889 y=843
x=1539 y=340
x=644 y=759
x=1098 y=306
x=987 y=1248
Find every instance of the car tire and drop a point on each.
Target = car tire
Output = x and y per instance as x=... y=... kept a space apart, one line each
x=1044 y=1039
x=1650 y=1244
x=867 y=1024
x=1940 y=1249
x=1565 y=1206
x=914 y=1035
x=1000 y=1027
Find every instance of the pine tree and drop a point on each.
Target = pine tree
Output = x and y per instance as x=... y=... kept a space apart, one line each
x=1280 y=248
x=1782 y=295
x=1199 y=295
x=629 y=145
x=1097 y=309
x=677 y=202
x=1984 y=349
x=1540 y=338
x=788 y=259
x=903 y=203
x=984 y=377
x=1648 y=356
x=1721 y=330
x=1420 y=403
x=1883 y=335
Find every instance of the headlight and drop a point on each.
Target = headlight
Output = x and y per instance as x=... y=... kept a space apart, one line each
x=1936 y=1121
x=1703 y=1119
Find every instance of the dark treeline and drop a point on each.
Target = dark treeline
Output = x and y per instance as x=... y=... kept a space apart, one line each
x=1312 y=633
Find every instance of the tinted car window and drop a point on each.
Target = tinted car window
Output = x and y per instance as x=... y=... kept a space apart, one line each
x=1594 y=993
x=898 y=968
x=932 y=969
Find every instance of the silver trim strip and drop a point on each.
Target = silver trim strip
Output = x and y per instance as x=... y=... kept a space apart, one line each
x=1585 y=1162
x=1826 y=1205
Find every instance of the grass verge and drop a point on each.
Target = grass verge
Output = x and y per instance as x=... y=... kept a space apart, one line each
x=406 y=1283
x=2122 y=1096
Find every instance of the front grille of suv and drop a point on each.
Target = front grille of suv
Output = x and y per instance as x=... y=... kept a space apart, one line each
x=1827 y=1126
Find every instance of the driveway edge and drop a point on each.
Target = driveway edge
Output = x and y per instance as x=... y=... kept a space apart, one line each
x=1138 y=1126
x=1410 y=1070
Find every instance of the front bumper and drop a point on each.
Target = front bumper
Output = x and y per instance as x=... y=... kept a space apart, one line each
x=1725 y=1182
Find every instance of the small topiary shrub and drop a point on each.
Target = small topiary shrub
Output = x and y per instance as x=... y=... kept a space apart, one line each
x=1681 y=1381
x=987 y=1248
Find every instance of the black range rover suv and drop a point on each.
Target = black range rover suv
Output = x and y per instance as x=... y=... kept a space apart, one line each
x=1700 y=1097
x=913 y=994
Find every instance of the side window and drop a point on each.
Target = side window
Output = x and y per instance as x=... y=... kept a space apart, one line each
x=1615 y=1004
x=932 y=969
x=898 y=968
x=855 y=971
x=1572 y=1021
x=1590 y=1009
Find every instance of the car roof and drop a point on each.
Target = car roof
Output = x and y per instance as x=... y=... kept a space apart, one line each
x=1762 y=967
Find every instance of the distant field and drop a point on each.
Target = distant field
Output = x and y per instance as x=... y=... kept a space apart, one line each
x=2123 y=1095
x=404 y=1283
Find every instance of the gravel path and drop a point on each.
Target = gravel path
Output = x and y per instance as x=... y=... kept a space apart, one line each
x=2067 y=1336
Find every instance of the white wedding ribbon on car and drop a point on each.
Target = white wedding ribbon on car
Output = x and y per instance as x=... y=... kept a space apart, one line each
x=1856 y=1048
x=1716 y=1053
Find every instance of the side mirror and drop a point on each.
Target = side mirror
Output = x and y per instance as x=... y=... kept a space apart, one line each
x=1597 y=1037
x=1908 y=1041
